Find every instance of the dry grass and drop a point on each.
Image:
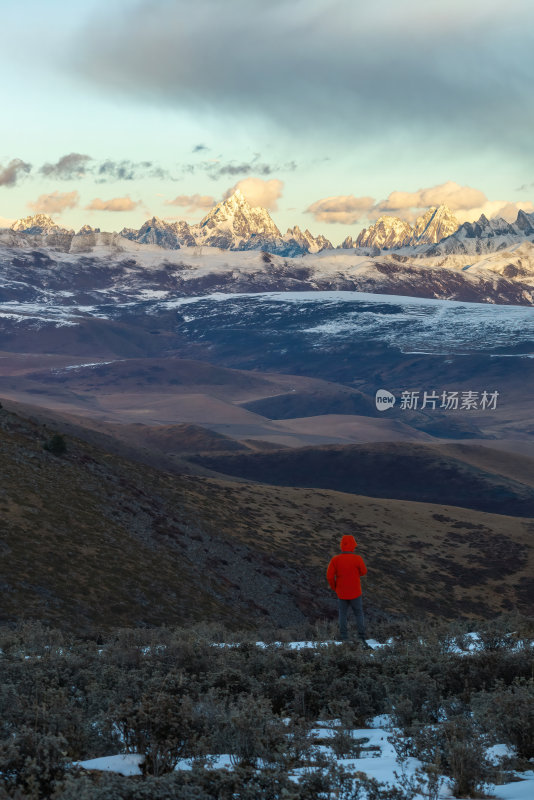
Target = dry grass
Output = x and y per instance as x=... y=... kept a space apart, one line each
x=422 y=557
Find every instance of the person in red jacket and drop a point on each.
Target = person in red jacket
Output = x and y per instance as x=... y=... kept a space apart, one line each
x=343 y=575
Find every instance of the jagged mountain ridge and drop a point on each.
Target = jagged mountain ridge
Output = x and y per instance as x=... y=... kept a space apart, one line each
x=485 y=236
x=392 y=232
x=233 y=224
x=237 y=226
x=169 y=235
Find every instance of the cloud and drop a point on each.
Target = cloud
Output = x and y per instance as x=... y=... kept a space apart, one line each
x=466 y=203
x=55 y=202
x=115 y=204
x=259 y=192
x=345 y=209
x=192 y=202
x=450 y=194
x=127 y=170
x=10 y=174
x=78 y=165
x=215 y=170
x=73 y=165
x=6 y=223
x=495 y=208
x=455 y=73
x=199 y=148
x=241 y=169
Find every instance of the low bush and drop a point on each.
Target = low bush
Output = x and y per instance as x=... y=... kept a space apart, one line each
x=507 y=714
x=31 y=762
x=171 y=694
x=458 y=749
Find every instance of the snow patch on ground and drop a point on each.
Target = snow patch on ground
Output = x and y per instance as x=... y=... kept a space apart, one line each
x=378 y=759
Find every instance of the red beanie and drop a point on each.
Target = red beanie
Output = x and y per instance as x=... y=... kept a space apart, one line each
x=348 y=543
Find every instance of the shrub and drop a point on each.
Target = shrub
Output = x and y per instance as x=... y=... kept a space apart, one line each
x=457 y=746
x=170 y=694
x=250 y=731
x=55 y=445
x=507 y=714
x=418 y=699
x=162 y=726
x=31 y=761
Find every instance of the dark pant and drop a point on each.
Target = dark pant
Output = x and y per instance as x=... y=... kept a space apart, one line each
x=356 y=604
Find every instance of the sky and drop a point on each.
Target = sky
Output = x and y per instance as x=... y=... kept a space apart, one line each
x=330 y=113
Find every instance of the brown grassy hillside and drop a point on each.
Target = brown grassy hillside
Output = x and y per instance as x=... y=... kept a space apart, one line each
x=91 y=540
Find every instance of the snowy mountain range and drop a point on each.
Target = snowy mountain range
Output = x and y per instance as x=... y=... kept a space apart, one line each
x=490 y=261
x=92 y=268
x=235 y=225
x=231 y=225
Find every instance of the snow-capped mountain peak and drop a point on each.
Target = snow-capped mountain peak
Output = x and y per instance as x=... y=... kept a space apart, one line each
x=435 y=224
x=485 y=235
x=87 y=230
x=306 y=240
x=233 y=222
x=38 y=223
x=170 y=235
x=387 y=232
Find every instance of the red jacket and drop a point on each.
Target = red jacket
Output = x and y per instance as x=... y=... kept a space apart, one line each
x=344 y=571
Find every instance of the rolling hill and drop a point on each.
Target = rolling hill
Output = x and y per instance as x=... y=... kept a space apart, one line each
x=403 y=471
